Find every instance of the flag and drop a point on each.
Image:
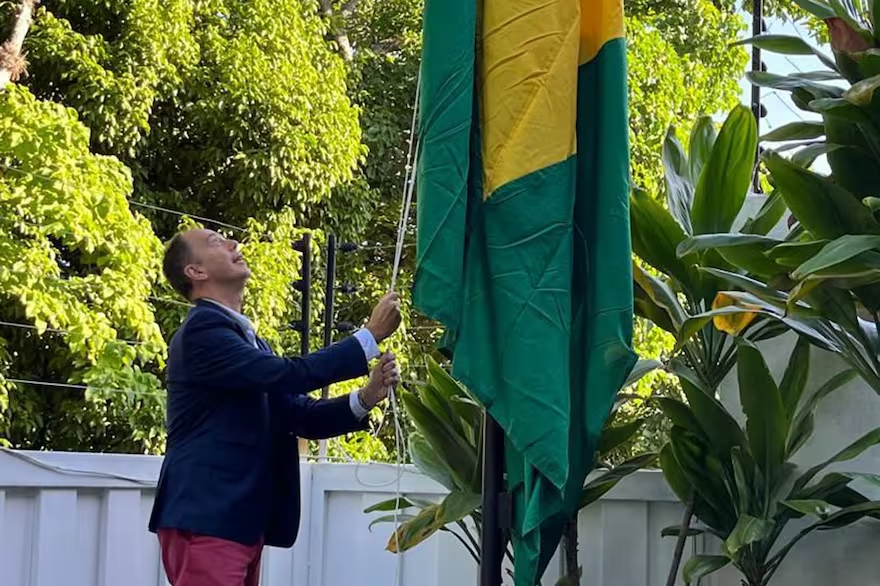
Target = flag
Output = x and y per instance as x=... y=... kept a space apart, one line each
x=523 y=234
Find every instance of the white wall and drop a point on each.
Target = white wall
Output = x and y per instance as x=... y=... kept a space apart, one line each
x=77 y=526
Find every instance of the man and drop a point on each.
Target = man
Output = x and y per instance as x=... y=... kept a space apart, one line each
x=229 y=483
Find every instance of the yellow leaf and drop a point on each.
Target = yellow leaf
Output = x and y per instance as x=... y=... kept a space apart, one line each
x=731 y=323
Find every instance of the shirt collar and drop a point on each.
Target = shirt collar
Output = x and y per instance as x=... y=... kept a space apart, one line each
x=241 y=319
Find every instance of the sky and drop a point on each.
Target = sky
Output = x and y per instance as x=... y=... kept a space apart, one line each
x=780 y=109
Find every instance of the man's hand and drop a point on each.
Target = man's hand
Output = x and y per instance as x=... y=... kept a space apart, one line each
x=385 y=375
x=386 y=317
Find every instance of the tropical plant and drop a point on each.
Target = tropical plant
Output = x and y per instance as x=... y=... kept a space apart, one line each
x=740 y=482
x=447 y=446
x=706 y=190
x=822 y=277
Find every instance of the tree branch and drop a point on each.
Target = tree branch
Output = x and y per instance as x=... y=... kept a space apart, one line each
x=680 y=543
x=12 y=62
x=338 y=32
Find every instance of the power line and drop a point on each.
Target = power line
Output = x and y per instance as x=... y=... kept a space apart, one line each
x=135 y=202
x=190 y=215
x=797 y=114
x=24 y=326
x=182 y=214
x=40 y=383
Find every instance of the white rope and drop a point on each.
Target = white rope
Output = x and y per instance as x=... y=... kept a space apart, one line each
x=408 y=184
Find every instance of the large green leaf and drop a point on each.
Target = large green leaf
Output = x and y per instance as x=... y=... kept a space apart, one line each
x=724 y=181
x=702 y=141
x=788 y=45
x=457 y=505
x=642 y=368
x=429 y=462
x=824 y=208
x=655 y=237
x=597 y=487
x=679 y=186
x=705 y=474
x=794 y=380
x=841 y=518
x=802 y=130
x=775 y=81
x=616 y=435
x=660 y=294
x=855 y=449
x=761 y=291
x=460 y=402
x=674 y=475
x=701 y=566
x=748 y=530
x=717 y=424
x=644 y=306
x=837 y=251
x=808 y=155
x=679 y=414
x=415 y=530
x=766 y=422
x=451 y=447
x=768 y=216
x=745 y=251
x=818 y=8
x=793 y=254
x=813 y=507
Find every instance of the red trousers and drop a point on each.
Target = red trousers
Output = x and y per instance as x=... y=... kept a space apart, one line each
x=197 y=560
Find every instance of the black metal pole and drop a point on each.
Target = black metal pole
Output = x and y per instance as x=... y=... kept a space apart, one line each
x=329 y=289
x=306 y=281
x=495 y=514
x=757 y=21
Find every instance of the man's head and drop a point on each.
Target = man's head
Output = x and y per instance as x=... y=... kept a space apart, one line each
x=198 y=261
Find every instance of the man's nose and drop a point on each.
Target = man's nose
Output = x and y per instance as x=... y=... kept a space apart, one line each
x=233 y=244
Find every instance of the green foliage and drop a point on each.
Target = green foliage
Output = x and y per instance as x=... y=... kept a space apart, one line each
x=822 y=277
x=447 y=446
x=74 y=258
x=230 y=107
x=741 y=481
x=680 y=68
x=681 y=244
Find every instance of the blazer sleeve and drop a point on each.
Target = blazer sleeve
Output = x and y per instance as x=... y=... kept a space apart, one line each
x=218 y=357
x=318 y=419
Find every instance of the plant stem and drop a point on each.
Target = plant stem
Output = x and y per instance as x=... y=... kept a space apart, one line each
x=682 y=539
x=570 y=547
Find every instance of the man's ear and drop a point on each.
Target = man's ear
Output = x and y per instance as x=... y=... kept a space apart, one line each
x=194 y=272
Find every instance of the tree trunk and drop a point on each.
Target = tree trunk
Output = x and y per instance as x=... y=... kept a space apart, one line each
x=680 y=543
x=337 y=29
x=570 y=549
x=12 y=63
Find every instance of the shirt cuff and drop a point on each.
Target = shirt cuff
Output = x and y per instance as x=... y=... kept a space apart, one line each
x=368 y=343
x=356 y=408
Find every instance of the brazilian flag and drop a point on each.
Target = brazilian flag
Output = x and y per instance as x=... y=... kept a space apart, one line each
x=523 y=234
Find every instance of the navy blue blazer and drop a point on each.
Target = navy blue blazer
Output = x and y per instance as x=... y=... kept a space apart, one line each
x=231 y=467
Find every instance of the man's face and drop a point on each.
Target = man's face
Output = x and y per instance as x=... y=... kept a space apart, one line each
x=214 y=258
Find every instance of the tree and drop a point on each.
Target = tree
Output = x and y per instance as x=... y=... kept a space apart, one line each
x=228 y=109
x=12 y=63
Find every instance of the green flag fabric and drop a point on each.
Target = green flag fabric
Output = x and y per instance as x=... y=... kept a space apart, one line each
x=523 y=234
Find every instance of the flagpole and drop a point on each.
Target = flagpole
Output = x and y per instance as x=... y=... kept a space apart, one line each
x=495 y=504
